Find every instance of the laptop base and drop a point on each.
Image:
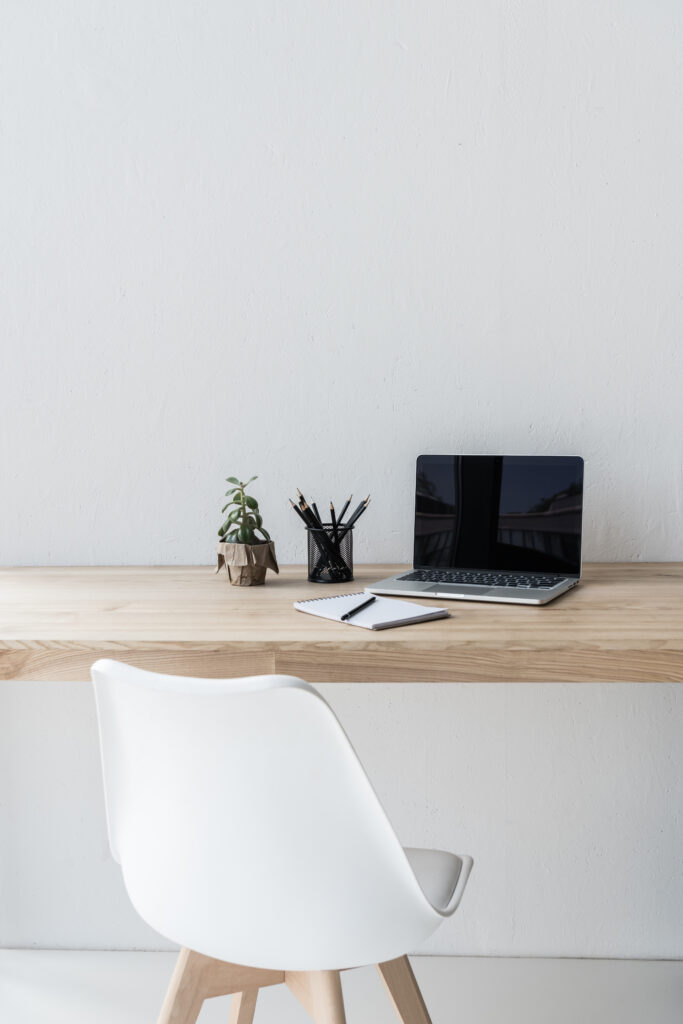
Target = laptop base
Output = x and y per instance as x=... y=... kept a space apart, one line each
x=394 y=586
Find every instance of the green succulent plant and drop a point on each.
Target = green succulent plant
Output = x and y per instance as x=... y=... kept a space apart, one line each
x=244 y=520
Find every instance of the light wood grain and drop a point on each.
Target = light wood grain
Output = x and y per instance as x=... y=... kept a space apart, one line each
x=320 y=993
x=242 y=1007
x=299 y=984
x=184 y=996
x=404 y=991
x=222 y=978
x=197 y=977
x=623 y=623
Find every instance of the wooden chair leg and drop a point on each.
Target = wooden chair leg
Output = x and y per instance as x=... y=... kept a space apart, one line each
x=197 y=977
x=328 y=1000
x=320 y=993
x=404 y=991
x=185 y=995
x=242 y=1006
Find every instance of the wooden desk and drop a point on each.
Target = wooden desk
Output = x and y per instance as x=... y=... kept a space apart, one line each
x=625 y=622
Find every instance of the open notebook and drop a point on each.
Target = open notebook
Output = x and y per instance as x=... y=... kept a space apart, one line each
x=381 y=614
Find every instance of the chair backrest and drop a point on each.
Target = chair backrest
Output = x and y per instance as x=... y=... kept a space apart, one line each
x=245 y=825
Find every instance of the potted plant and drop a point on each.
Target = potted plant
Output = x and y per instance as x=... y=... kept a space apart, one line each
x=245 y=547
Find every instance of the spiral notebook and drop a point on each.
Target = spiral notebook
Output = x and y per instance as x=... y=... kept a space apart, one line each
x=381 y=614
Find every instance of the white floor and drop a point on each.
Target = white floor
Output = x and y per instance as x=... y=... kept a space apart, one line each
x=64 y=987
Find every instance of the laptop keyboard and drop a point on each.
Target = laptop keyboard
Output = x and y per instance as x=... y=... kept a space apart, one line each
x=520 y=581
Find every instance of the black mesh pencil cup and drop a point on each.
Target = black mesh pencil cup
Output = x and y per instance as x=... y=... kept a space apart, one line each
x=330 y=554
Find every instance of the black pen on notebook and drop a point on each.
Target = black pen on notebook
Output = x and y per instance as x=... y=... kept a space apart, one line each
x=358 y=608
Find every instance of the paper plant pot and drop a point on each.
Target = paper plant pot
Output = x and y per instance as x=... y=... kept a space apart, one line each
x=247 y=563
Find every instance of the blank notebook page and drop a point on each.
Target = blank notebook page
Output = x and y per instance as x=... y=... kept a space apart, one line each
x=383 y=613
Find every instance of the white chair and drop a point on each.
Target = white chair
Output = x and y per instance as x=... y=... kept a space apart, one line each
x=248 y=833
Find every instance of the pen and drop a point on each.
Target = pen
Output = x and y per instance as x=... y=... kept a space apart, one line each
x=358 y=608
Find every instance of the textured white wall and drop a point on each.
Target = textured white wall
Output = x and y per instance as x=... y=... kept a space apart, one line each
x=568 y=796
x=313 y=240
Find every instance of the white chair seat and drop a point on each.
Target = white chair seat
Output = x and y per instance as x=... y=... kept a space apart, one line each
x=437 y=873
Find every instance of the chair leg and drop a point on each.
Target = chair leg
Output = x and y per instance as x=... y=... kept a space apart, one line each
x=242 y=1006
x=404 y=991
x=185 y=996
x=328 y=1000
x=197 y=977
x=320 y=993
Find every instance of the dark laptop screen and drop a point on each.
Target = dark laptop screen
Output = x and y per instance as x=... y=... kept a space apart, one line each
x=499 y=512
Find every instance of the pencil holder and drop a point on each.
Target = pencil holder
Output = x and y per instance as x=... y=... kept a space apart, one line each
x=330 y=554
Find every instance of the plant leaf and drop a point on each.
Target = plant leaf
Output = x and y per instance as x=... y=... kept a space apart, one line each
x=232 y=480
x=250 y=480
x=251 y=502
x=233 y=537
x=264 y=532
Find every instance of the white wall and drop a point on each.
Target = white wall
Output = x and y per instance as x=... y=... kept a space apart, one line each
x=313 y=240
x=569 y=797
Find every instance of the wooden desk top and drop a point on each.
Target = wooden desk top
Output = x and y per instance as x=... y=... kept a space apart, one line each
x=624 y=623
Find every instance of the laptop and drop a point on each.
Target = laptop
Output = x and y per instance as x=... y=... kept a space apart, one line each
x=494 y=528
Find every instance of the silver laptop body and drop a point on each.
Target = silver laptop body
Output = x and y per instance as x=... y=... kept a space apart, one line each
x=494 y=528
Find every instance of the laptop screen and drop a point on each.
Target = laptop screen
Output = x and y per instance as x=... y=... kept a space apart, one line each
x=499 y=512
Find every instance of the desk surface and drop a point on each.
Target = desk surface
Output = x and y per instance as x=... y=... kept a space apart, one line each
x=623 y=623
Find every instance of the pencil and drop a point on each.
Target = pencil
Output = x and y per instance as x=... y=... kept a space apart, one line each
x=314 y=519
x=301 y=497
x=358 y=512
x=323 y=541
x=343 y=511
x=298 y=511
x=308 y=515
x=333 y=519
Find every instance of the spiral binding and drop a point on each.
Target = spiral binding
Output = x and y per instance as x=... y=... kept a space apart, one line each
x=313 y=600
